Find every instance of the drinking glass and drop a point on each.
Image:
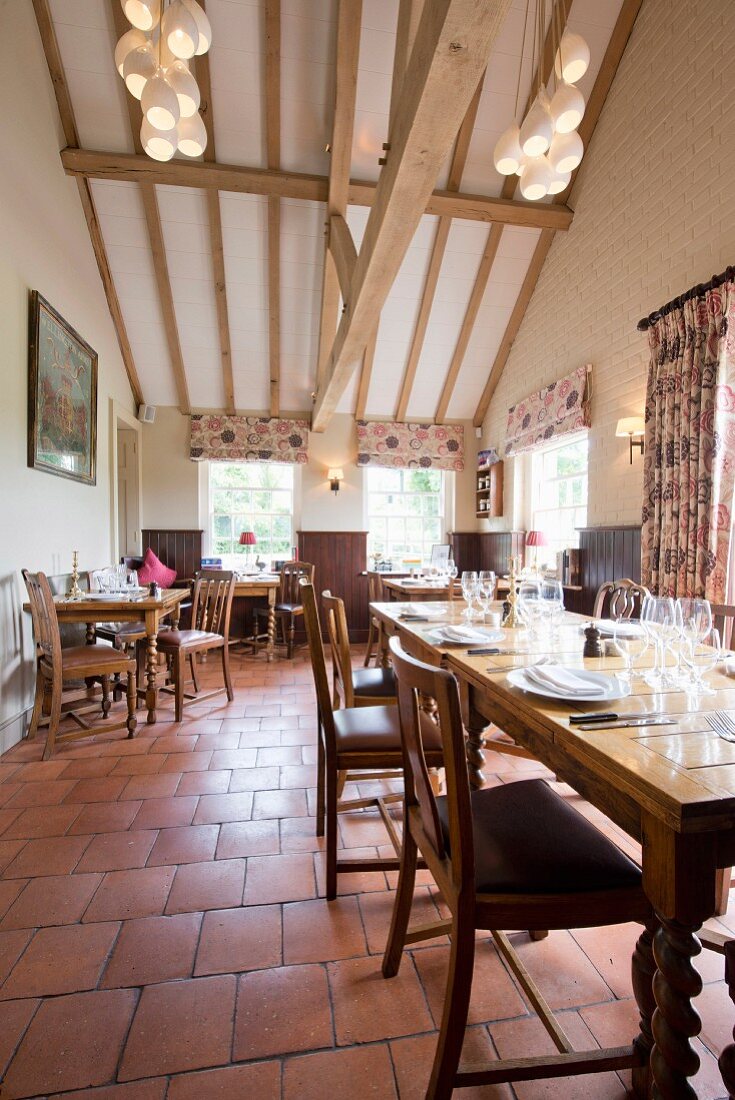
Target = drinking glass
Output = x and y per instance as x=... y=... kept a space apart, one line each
x=552 y=597
x=631 y=642
x=693 y=618
x=658 y=620
x=530 y=604
x=132 y=578
x=469 y=592
x=701 y=658
x=486 y=589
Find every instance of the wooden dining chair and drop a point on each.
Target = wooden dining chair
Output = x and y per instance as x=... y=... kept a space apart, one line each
x=353 y=687
x=723 y=619
x=515 y=856
x=619 y=599
x=211 y=607
x=288 y=604
x=375 y=630
x=724 y=945
x=354 y=744
x=57 y=667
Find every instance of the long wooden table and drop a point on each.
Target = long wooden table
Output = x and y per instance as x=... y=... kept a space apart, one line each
x=672 y=788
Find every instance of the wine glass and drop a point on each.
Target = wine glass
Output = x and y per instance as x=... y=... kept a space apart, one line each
x=701 y=658
x=469 y=592
x=486 y=581
x=552 y=597
x=631 y=642
x=530 y=604
x=658 y=620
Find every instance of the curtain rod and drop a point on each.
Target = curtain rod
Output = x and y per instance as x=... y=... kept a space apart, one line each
x=676 y=303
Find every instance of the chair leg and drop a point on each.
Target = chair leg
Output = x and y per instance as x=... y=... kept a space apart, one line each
x=370 y=643
x=106 y=703
x=179 y=671
x=331 y=875
x=37 y=706
x=319 y=779
x=132 y=697
x=226 y=671
x=291 y=636
x=456 y=1008
x=193 y=663
x=54 y=716
x=401 y=905
x=722 y=890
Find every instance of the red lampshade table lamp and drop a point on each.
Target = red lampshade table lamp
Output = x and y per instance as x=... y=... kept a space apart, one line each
x=536 y=539
x=247 y=538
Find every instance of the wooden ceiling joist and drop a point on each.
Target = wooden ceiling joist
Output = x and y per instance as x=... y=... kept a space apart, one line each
x=273 y=147
x=301 y=185
x=559 y=16
x=343 y=250
x=613 y=54
x=450 y=54
x=71 y=136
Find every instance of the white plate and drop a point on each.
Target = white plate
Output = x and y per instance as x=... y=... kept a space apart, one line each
x=614 y=688
x=134 y=594
x=484 y=637
x=608 y=628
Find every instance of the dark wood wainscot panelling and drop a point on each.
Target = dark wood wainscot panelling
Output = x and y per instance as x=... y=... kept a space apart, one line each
x=486 y=549
x=339 y=559
x=607 y=553
x=180 y=550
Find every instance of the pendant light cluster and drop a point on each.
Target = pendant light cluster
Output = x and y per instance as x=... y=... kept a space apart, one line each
x=546 y=148
x=152 y=58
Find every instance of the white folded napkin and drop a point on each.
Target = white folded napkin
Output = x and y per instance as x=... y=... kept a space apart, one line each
x=422 y=609
x=563 y=680
x=462 y=634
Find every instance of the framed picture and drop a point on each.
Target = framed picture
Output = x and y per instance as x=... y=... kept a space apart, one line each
x=62 y=396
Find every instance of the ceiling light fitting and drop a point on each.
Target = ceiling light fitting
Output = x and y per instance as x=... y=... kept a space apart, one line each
x=544 y=148
x=152 y=58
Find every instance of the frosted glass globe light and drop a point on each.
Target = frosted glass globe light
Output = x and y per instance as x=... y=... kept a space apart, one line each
x=192 y=136
x=523 y=165
x=567 y=108
x=143 y=14
x=138 y=68
x=179 y=30
x=203 y=26
x=537 y=129
x=160 y=103
x=536 y=179
x=186 y=88
x=507 y=153
x=566 y=151
x=559 y=183
x=131 y=40
x=572 y=58
x=158 y=144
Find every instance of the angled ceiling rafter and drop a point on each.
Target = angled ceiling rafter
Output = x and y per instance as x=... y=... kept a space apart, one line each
x=273 y=148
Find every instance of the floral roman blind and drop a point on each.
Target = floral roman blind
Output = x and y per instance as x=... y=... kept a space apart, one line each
x=558 y=409
x=406 y=446
x=248 y=439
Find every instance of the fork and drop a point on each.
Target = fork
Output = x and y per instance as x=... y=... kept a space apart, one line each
x=722 y=724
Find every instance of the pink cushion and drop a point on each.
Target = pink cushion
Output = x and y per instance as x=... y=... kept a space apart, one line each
x=153 y=569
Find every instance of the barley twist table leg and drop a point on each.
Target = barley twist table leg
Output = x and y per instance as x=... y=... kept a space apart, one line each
x=675 y=1021
x=150 y=668
x=727 y=1058
x=644 y=969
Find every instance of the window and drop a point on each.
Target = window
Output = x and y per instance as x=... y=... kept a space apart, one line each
x=405 y=512
x=250 y=496
x=559 y=476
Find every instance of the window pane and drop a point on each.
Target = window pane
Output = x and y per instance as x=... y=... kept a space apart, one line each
x=559 y=477
x=241 y=500
x=413 y=502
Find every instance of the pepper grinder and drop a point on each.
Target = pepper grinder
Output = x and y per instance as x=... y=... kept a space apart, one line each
x=593 y=644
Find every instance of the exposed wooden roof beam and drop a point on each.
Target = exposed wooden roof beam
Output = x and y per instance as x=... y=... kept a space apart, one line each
x=448 y=58
x=343 y=250
x=273 y=146
x=71 y=136
x=301 y=185
x=456 y=168
x=559 y=16
x=349 y=18
x=155 y=235
x=613 y=54
x=366 y=374
x=215 y=235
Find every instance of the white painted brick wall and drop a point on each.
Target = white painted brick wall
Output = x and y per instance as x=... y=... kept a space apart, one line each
x=654 y=214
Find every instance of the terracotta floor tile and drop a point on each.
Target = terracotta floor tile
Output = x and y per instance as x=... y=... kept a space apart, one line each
x=610 y=950
x=9 y=849
x=153 y=949
x=185 y=844
x=39 y=770
x=141 y=892
x=247 y=838
x=414 y=1057
x=717 y=1016
x=12 y=946
x=118 y=851
x=239 y=939
x=9 y=891
x=369 y=1007
x=173 y=743
x=89 y=768
x=262 y=1081
x=299 y=835
x=273 y=879
x=118 y=745
x=210 y=741
x=561 y=969
x=56 y=855
x=206 y=782
x=353 y=882
x=41 y=821
x=73 y=1042
x=254 y=779
x=16 y=1017
x=217 y=884
x=298 y=775
x=259 y=738
x=165 y=813
x=279 y=804
x=362 y=1071
x=146 y=764
x=315 y=931
x=214 y=808
x=107 y=788
x=67 y=959
x=151 y=786
x=284 y=754
x=152 y=1089
x=377 y=909
x=105 y=817
x=281 y=1010
x=494 y=994
x=360 y=830
x=49 y=792
x=186 y=762
x=7 y=817
x=180 y=1026
x=234 y=758
x=53 y=900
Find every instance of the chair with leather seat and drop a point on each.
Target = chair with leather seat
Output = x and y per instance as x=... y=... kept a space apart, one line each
x=210 y=616
x=355 y=687
x=354 y=743
x=515 y=856
x=375 y=632
x=57 y=667
x=288 y=604
x=620 y=599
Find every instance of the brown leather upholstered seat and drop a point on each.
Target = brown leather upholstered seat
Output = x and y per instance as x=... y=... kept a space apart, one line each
x=291 y=608
x=103 y=656
x=528 y=840
x=370 y=682
x=378 y=729
x=187 y=639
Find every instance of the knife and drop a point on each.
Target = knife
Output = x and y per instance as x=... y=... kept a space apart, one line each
x=611 y=716
x=627 y=723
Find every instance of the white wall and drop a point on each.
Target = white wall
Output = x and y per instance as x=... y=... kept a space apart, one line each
x=45 y=246
x=654 y=204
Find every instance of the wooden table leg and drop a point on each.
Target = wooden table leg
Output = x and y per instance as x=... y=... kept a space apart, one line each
x=271 y=647
x=727 y=1058
x=644 y=969
x=151 y=653
x=175 y=616
x=475 y=724
x=675 y=1021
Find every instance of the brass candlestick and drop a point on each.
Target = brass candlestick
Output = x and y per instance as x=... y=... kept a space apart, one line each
x=75 y=592
x=512 y=619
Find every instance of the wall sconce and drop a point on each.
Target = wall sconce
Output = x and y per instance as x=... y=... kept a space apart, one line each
x=334 y=477
x=634 y=427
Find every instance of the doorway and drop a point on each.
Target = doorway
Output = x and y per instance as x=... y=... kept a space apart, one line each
x=128 y=493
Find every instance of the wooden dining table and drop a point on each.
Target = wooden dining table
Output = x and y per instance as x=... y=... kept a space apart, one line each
x=670 y=787
x=257 y=586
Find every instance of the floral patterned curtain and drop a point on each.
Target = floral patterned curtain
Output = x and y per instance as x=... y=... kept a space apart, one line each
x=689 y=462
x=557 y=409
x=404 y=446
x=248 y=439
